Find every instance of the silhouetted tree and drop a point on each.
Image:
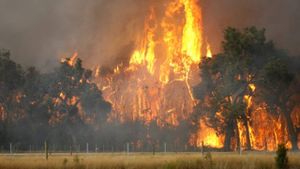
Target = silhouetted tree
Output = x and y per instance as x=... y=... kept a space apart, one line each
x=278 y=87
x=11 y=78
x=227 y=78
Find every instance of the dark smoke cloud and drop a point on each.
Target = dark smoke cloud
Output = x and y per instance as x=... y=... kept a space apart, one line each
x=281 y=18
x=39 y=32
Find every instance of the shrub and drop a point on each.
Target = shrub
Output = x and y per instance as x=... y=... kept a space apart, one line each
x=65 y=161
x=76 y=159
x=281 y=158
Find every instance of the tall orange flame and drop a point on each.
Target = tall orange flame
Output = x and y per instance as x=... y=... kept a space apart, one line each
x=156 y=85
x=166 y=56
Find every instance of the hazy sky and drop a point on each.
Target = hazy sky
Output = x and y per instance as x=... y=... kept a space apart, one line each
x=38 y=32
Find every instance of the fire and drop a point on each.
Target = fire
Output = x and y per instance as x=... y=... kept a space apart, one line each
x=155 y=85
x=163 y=67
x=71 y=60
x=192 y=31
x=264 y=137
x=2 y=112
x=208 y=51
x=166 y=55
x=208 y=137
x=144 y=54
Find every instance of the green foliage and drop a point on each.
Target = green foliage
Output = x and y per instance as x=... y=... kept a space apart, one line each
x=281 y=158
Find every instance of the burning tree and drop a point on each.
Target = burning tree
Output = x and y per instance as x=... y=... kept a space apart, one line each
x=147 y=92
x=230 y=81
x=165 y=57
x=35 y=107
x=11 y=79
x=76 y=101
x=279 y=88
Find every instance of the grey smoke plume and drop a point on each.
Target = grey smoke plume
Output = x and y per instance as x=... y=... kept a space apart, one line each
x=39 y=32
x=280 y=18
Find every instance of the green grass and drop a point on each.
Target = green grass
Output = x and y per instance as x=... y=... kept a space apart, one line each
x=146 y=161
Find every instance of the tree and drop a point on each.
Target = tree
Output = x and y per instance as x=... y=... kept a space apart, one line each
x=11 y=79
x=282 y=161
x=35 y=104
x=278 y=87
x=230 y=76
x=34 y=107
x=77 y=101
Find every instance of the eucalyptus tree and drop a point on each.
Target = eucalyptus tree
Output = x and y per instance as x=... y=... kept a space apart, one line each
x=229 y=78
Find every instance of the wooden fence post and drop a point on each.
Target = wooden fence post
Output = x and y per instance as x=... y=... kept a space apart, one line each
x=46 y=150
x=10 y=148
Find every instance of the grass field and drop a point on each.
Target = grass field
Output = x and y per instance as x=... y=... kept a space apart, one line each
x=144 y=160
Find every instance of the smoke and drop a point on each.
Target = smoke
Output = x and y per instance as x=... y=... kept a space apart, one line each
x=39 y=32
x=280 y=18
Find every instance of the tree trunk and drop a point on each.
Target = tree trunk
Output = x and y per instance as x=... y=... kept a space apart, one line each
x=238 y=140
x=228 y=135
x=291 y=130
x=248 y=141
x=153 y=149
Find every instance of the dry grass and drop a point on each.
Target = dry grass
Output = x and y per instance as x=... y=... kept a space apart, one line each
x=147 y=161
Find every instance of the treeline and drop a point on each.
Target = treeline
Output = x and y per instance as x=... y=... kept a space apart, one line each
x=248 y=75
x=57 y=106
x=66 y=109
